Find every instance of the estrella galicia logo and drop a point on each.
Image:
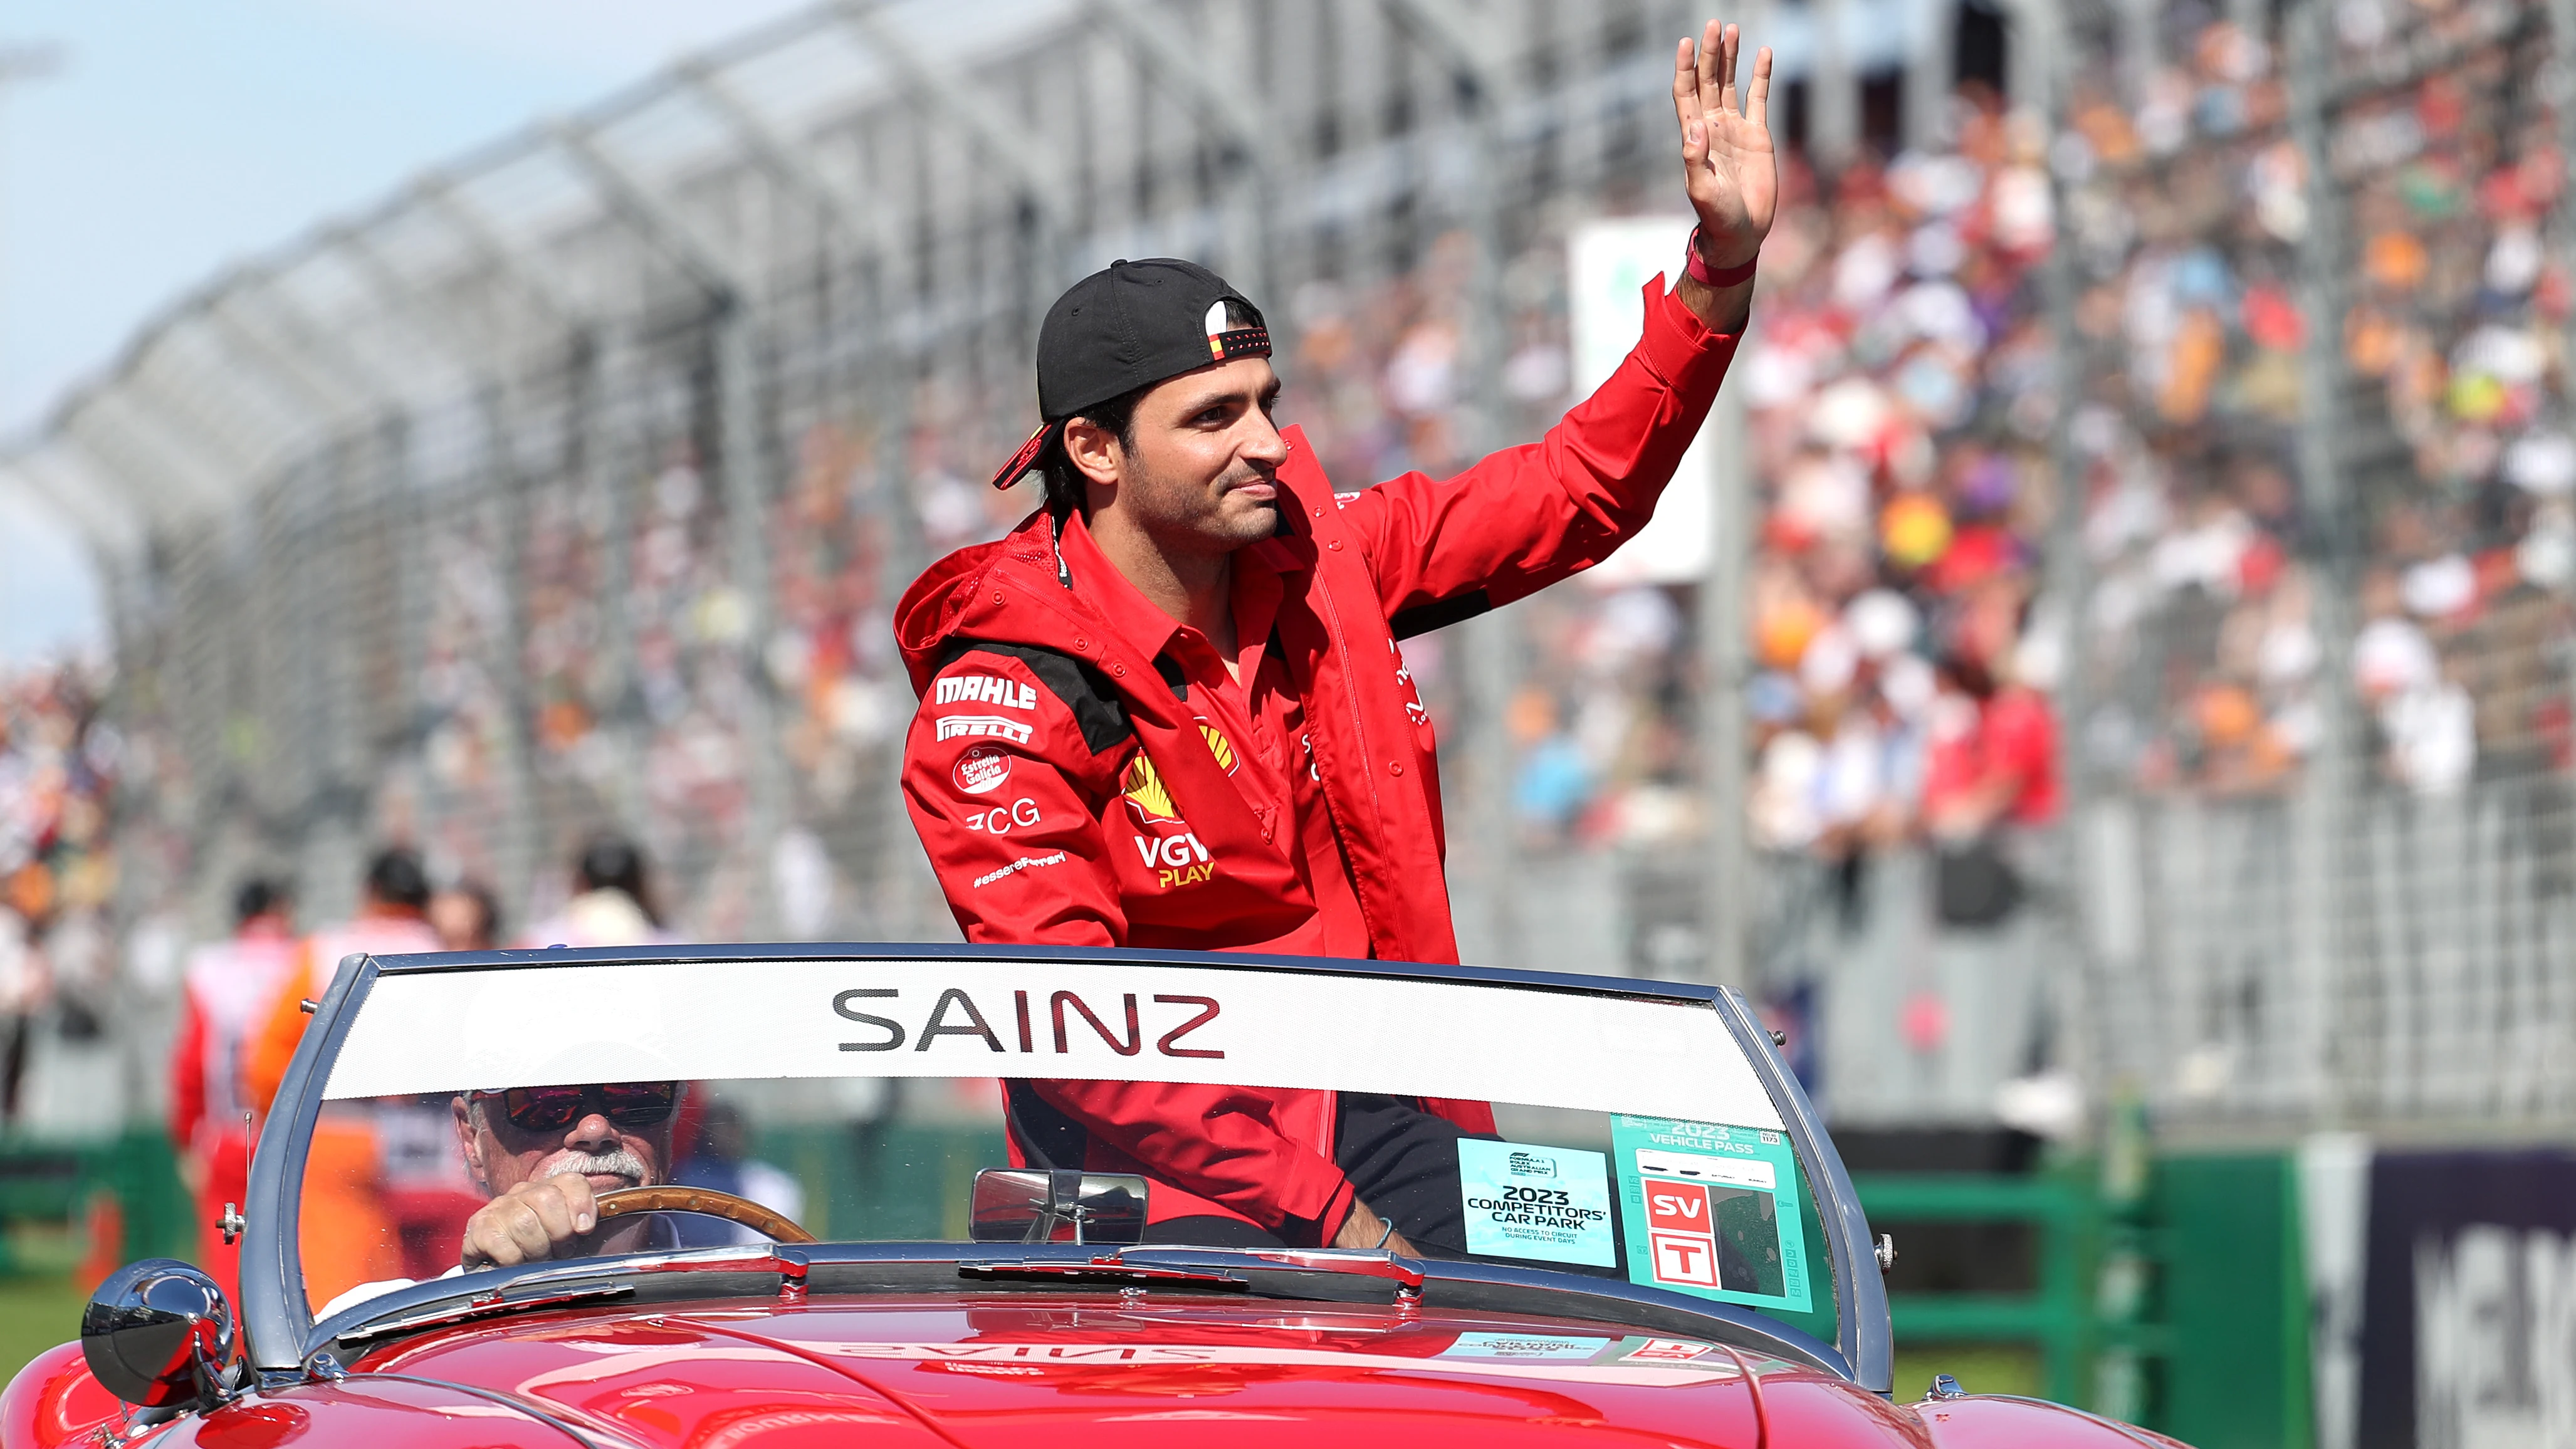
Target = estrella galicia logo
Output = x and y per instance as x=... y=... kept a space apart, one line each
x=1530 y=1164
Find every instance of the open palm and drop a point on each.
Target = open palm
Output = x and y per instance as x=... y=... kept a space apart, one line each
x=1734 y=174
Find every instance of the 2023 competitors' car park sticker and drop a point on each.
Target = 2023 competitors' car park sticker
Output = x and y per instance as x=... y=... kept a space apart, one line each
x=1712 y=1210
x=1549 y=1203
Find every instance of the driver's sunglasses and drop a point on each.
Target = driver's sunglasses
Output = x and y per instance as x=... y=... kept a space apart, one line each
x=552 y=1109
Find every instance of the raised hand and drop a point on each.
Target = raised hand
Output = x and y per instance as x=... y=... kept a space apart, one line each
x=1733 y=173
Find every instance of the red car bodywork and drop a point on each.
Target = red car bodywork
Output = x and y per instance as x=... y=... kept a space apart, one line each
x=1068 y=1371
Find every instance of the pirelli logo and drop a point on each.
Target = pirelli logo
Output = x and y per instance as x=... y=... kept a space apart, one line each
x=954 y=726
x=986 y=689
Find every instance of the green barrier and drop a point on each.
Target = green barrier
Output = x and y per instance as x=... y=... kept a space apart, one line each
x=2181 y=1304
x=2233 y=1287
x=2058 y=1318
x=62 y=1183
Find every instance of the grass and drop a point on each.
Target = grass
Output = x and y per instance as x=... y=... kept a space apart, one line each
x=40 y=1295
x=1980 y=1368
x=37 y=1311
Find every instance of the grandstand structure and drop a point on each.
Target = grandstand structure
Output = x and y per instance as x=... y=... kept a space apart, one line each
x=572 y=487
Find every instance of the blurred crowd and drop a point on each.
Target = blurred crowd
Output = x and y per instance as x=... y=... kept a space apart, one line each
x=59 y=764
x=2447 y=351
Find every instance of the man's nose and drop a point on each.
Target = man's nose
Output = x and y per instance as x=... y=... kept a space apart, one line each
x=592 y=1134
x=1265 y=445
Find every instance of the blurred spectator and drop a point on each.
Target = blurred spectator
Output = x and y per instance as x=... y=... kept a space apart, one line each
x=1992 y=757
x=613 y=905
x=392 y=920
x=466 y=916
x=226 y=993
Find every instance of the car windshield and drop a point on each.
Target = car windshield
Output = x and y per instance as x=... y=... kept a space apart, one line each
x=472 y=1117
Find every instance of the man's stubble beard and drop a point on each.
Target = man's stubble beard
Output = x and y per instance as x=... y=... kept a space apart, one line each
x=1212 y=528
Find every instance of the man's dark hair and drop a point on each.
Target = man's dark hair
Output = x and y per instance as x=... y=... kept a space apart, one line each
x=258 y=896
x=1064 y=482
x=612 y=862
x=395 y=877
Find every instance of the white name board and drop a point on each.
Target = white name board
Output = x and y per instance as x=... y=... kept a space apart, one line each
x=1098 y=1021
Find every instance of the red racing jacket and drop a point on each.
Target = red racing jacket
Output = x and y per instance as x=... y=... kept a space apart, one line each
x=1069 y=794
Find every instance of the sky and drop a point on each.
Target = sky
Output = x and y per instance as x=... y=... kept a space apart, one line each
x=180 y=136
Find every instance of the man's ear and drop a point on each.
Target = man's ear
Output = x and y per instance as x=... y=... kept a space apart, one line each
x=1095 y=451
x=469 y=1143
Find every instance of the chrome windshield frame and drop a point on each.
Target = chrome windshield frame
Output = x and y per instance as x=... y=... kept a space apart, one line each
x=277 y=1319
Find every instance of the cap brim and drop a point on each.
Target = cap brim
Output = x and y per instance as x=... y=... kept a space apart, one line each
x=1026 y=458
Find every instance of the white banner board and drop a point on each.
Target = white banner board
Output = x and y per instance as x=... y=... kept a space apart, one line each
x=1099 y=1021
x=1610 y=264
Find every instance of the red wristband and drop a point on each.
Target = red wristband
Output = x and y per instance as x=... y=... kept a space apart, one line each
x=1701 y=272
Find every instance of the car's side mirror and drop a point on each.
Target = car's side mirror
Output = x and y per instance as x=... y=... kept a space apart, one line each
x=159 y=1334
x=1026 y=1205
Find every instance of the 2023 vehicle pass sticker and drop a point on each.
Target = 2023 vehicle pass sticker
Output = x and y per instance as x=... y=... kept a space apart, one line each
x=1548 y=1203
x=1712 y=1210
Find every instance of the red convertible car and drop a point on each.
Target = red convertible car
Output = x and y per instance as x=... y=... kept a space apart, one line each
x=909 y=1196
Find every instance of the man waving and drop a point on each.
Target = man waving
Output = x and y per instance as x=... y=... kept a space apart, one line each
x=1170 y=710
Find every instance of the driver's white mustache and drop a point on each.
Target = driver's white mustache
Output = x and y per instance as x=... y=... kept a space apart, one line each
x=620 y=1163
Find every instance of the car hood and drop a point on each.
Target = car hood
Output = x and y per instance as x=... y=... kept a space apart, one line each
x=1072 y=1372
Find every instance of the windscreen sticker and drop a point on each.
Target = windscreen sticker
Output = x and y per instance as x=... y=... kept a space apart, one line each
x=1660 y=1350
x=1548 y=1203
x=1525 y=1347
x=1712 y=1210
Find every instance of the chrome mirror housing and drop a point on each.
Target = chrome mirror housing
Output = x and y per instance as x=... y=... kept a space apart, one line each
x=159 y=1334
x=1023 y=1205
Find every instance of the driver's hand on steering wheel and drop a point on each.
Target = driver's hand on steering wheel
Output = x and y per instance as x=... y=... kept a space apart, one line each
x=535 y=1220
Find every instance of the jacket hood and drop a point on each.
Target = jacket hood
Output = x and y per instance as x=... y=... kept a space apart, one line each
x=932 y=612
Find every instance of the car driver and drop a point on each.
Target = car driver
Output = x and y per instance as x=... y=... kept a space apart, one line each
x=543 y=1155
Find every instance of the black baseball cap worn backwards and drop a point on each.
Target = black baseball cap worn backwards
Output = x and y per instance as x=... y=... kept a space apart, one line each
x=1125 y=327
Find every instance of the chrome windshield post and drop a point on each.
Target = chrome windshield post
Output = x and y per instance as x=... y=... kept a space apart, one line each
x=275 y=1317
x=1862 y=1332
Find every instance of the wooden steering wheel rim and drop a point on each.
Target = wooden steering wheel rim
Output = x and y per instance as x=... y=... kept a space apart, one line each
x=673 y=1198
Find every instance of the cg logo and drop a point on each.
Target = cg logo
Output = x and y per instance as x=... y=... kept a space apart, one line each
x=1002 y=819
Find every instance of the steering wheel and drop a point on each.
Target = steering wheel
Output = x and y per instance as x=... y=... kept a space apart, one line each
x=673 y=1198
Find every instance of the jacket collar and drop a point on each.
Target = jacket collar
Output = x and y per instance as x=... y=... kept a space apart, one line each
x=1098 y=583
x=1126 y=610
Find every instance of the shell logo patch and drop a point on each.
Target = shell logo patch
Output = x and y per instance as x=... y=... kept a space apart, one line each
x=1148 y=799
x=1221 y=747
